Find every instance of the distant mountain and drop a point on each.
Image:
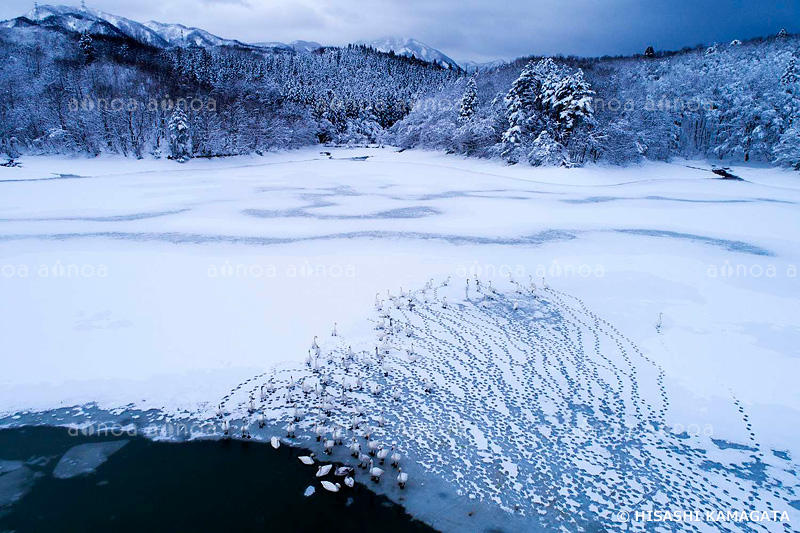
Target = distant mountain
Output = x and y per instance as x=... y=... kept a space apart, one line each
x=152 y=33
x=305 y=46
x=474 y=66
x=72 y=19
x=180 y=35
x=411 y=48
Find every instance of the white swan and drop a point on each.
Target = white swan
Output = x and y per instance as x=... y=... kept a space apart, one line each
x=373 y=446
x=276 y=442
x=252 y=406
x=338 y=435
x=364 y=460
x=343 y=471
x=395 y=457
x=377 y=300
x=349 y=481
x=330 y=487
x=658 y=324
x=290 y=430
x=261 y=421
x=263 y=394
x=314 y=344
x=334 y=333
x=374 y=472
x=328 y=446
x=402 y=478
x=444 y=302
x=516 y=305
x=307 y=459
x=323 y=470
x=382 y=454
x=226 y=427
x=319 y=431
x=220 y=413
x=355 y=448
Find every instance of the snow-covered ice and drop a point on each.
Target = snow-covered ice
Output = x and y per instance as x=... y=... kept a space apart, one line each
x=139 y=285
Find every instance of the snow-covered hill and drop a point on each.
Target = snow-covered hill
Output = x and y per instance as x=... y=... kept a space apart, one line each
x=411 y=48
x=95 y=22
x=180 y=35
x=304 y=46
x=152 y=33
x=475 y=66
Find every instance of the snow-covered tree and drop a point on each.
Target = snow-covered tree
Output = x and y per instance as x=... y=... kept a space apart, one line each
x=87 y=46
x=179 y=141
x=570 y=100
x=791 y=75
x=469 y=102
x=546 y=151
x=787 y=151
x=522 y=106
x=545 y=98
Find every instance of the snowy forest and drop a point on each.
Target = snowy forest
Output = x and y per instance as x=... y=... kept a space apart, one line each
x=90 y=92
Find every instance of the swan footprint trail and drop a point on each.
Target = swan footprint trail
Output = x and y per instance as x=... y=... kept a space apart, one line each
x=526 y=409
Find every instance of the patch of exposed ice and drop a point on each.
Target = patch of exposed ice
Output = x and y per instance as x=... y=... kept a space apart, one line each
x=86 y=458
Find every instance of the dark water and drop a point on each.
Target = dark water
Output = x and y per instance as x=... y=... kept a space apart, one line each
x=196 y=486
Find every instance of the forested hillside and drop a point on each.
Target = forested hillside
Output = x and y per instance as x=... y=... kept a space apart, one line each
x=100 y=90
x=739 y=102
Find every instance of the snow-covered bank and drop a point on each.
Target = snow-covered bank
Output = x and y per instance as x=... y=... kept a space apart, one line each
x=158 y=286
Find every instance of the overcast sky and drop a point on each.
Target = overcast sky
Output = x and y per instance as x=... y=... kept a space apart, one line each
x=471 y=29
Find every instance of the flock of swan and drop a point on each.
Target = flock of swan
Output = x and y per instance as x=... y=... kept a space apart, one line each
x=515 y=395
x=391 y=336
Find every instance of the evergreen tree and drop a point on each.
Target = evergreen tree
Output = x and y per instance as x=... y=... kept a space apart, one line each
x=469 y=102
x=87 y=47
x=179 y=142
x=521 y=105
x=790 y=76
x=649 y=52
x=787 y=152
x=571 y=103
x=546 y=151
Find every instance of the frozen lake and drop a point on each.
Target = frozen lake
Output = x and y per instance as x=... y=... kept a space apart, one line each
x=163 y=290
